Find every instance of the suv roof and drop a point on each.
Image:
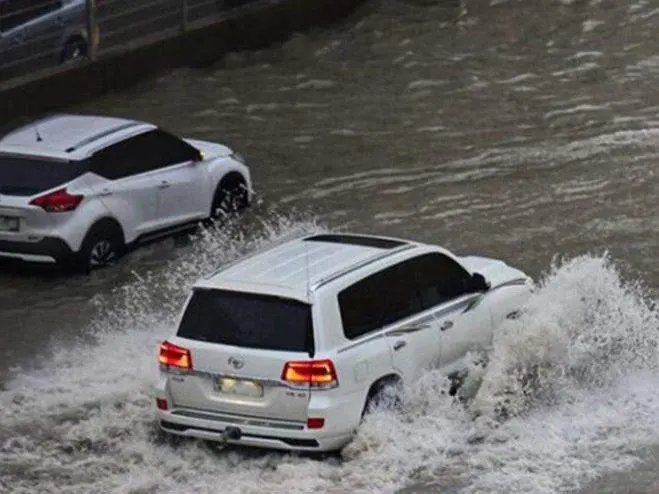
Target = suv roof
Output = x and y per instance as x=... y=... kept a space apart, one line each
x=300 y=266
x=68 y=137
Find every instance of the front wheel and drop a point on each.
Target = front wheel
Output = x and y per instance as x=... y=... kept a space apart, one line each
x=74 y=50
x=229 y=198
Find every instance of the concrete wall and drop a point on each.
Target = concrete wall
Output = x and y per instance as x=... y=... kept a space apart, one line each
x=57 y=89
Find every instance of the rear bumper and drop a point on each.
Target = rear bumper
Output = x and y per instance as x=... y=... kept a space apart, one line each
x=48 y=250
x=264 y=437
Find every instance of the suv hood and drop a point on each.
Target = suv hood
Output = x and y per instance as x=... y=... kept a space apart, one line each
x=496 y=272
x=210 y=149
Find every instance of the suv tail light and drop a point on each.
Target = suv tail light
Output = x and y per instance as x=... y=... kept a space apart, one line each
x=58 y=202
x=175 y=356
x=314 y=373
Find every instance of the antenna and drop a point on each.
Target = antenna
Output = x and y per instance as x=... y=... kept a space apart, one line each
x=306 y=261
x=36 y=131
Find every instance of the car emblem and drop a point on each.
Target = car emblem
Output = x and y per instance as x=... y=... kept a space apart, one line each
x=236 y=362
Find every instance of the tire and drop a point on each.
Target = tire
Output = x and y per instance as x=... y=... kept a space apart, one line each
x=74 y=50
x=102 y=246
x=231 y=196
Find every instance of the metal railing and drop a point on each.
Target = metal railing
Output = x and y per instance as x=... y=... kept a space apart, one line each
x=39 y=35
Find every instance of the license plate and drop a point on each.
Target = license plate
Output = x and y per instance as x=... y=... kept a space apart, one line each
x=9 y=224
x=242 y=387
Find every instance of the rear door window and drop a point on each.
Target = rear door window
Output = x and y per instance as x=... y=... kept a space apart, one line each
x=26 y=176
x=401 y=291
x=14 y=13
x=142 y=153
x=248 y=320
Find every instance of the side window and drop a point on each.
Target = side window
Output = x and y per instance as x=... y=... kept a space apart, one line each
x=114 y=162
x=378 y=300
x=172 y=149
x=401 y=291
x=440 y=279
x=14 y=13
x=140 y=154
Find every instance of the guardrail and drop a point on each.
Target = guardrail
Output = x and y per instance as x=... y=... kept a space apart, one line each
x=42 y=35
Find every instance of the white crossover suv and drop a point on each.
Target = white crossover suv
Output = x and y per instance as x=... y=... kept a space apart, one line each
x=81 y=189
x=287 y=348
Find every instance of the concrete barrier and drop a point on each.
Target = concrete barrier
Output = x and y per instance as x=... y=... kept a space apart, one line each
x=58 y=88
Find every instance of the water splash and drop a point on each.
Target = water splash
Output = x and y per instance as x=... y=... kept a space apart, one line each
x=84 y=422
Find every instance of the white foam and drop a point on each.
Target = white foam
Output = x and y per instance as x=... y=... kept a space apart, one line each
x=85 y=421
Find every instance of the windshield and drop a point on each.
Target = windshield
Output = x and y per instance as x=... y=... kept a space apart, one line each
x=26 y=176
x=248 y=320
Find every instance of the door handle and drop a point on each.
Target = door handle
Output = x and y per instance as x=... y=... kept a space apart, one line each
x=163 y=185
x=399 y=344
x=105 y=193
x=446 y=325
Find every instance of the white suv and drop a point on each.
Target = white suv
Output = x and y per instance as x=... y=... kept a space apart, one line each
x=286 y=348
x=84 y=188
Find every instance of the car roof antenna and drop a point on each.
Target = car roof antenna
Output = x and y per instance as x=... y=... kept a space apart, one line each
x=306 y=261
x=36 y=131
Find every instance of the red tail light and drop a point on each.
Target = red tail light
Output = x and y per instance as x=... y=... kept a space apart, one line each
x=175 y=356
x=58 y=202
x=315 y=423
x=315 y=373
x=161 y=403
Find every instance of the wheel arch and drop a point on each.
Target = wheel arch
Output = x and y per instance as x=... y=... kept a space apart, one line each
x=379 y=384
x=73 y=38
x=107 y=222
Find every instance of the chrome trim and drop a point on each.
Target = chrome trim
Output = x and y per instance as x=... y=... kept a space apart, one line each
x=238 y=419
x=414 y=326
x=342 y=272
x=210 y=375
x=477 y=300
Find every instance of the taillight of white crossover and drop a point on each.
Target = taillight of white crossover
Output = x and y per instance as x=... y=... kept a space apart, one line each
x=59 y=201
x=313 y=373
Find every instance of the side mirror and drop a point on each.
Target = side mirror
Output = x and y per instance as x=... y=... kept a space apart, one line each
x=479 y=283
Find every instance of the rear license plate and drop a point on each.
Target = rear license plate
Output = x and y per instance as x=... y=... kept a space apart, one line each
x=241 y=387
x=9 y=223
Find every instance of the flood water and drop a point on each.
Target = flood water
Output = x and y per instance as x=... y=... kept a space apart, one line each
x=522 y=130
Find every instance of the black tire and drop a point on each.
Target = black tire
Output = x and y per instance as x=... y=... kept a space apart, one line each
x=230 y=197
x=75 y=49
x=102 y=246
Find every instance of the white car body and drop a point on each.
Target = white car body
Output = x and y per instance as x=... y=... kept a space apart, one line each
x=124 y=175
x=376 y=314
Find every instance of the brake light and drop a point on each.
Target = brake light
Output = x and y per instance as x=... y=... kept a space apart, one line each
x=58 y=202
x=315 y=423
x=315 y=373
x=161 y=403
x=175 y=356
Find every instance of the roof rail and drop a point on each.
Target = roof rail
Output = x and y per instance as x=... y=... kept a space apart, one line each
x=377 y=257
x=100 y=135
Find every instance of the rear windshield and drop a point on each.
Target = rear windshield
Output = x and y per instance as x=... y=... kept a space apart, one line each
x=26 y=176
x=248 y=320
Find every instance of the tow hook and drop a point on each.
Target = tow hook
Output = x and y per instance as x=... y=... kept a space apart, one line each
x=231 y=434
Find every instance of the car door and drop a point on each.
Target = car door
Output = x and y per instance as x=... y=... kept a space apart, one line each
x=388 y=302
x=183 y=191
x=43 y=33
x=126 y=183
x=14 y=14
x=31 y=33
x=448 y=289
